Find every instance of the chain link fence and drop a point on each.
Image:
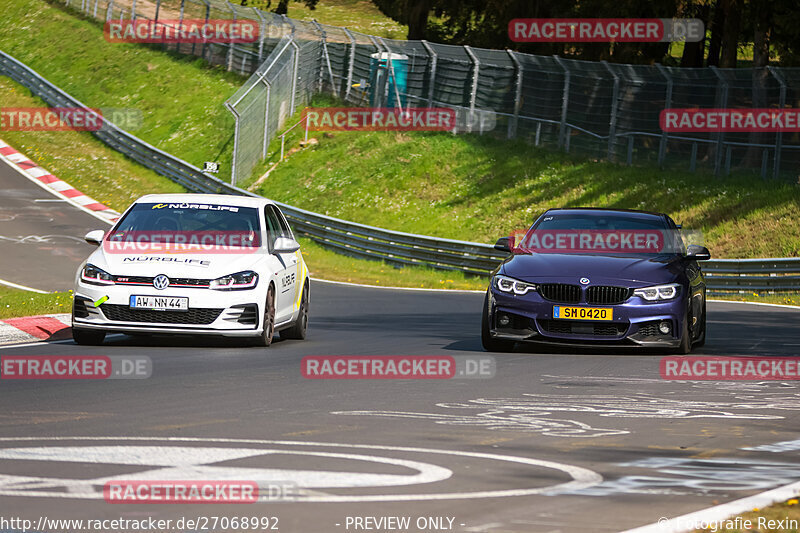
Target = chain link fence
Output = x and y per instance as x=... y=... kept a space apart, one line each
x=602 y=110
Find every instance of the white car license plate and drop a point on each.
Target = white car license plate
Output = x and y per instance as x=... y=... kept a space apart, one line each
x=160 y=303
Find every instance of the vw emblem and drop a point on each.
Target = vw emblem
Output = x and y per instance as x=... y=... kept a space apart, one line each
x=161 y=282
x=584 y=281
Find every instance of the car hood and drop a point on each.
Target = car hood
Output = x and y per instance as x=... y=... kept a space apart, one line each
x=201 y=266
x=569 y=268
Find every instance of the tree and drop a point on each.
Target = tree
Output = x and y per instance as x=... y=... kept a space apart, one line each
x=281 y=9
x=413 y=13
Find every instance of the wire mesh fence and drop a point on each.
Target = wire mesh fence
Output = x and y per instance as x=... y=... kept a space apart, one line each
x=601 y=110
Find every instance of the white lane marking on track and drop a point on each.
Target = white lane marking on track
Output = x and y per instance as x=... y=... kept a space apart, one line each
x=795 y=307
x=535 y=412
x=22 y=287
x=581 y=477
x=52 y=191
x=689 y=521
x=196 y=464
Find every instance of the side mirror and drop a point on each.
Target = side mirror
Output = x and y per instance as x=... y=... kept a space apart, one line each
x=698 y=253
x=95 y=237
x=285 y=245
x=504 y=244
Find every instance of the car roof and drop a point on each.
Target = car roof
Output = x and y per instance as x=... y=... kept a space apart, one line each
x=222 y=199
x=584 y=210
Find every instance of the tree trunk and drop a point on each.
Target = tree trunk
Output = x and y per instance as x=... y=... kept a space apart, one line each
x=762 y=24
x=418 y=19
x=730 y=34
x=282 y=8
x=717 y=24
x=693 y=52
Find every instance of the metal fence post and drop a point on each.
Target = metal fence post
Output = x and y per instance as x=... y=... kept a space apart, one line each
x=432 y=71
x=778 y=135
x=564 y=103
x=94 y=11
x=723 y=102
x=133 y=10
x=390 y=63
x=230 y=44
x=662 y=145
x=512 y=124
x=207 y=16
x=295 y=69
x=325 y=54
x=381 y=91
x=266 y=117
x=235 y=141
x=612 y=124
x=263 y=29
x=476 y=70
x=351 y=63
x=109 y=10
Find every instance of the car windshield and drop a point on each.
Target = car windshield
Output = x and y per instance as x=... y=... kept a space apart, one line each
x=167 y=217
x=601 y=234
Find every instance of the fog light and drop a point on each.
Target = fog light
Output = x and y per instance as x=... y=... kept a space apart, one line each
x=503 y=320
x=664 y=327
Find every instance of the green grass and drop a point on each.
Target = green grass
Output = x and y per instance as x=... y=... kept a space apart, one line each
x=357 y=15
x=465 y=187
x=777 y=298
x=326 y=264
x=81 y=159
x=479 y=188
x=15 y=302
x=180 y=96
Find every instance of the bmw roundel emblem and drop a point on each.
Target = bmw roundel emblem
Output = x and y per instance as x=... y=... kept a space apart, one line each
x=161 y=282
x=584 y=281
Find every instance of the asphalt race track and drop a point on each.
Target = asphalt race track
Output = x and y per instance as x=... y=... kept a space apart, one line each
x=569 y=441
x=41 y=236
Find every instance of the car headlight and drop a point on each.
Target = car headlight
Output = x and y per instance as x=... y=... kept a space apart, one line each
x=231 y=282
x=511 y=285
x=96 y=276
x=658 y=292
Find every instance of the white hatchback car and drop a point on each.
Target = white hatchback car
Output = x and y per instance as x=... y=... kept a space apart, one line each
x=199 y=264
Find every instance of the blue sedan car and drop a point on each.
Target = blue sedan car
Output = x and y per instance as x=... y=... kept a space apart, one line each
x=597 y=277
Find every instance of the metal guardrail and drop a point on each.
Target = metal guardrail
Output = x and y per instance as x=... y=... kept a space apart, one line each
x=773 y=274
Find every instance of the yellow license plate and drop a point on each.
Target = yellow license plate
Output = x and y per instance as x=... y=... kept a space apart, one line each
x=583 y=313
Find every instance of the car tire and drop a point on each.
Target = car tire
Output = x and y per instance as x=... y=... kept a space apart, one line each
x=491 y=344
x=300 y=326
x=268 y=332
x=686 y=334
x=88 y=337
x=701 y=340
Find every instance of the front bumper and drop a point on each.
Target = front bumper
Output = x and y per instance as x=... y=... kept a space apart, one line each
x=211 y=312
x=529 y=318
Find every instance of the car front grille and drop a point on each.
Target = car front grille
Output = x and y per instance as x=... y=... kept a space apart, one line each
x=605 y=294
x=123 y=313
x=173 y=282
x=560 y=292
x=583 y=328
